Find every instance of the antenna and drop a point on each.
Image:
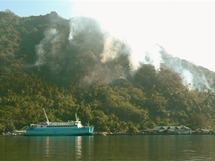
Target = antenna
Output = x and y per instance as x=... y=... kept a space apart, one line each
x=47 y=120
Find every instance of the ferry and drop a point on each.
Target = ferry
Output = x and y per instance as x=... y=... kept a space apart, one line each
x=59 y=128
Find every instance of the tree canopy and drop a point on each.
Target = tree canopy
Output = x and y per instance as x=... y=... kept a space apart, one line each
x=60 y=65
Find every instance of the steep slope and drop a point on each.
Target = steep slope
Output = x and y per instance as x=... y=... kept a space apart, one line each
x=69 y=66
x=195 y=77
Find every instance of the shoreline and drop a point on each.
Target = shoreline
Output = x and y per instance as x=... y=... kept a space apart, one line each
x=123 y=133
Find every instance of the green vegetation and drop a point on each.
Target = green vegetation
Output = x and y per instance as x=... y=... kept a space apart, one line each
x=70 y=78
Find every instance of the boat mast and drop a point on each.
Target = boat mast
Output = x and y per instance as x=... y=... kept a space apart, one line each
x=76 y=117
x=47 y=120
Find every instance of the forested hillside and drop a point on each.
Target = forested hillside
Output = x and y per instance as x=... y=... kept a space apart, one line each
x=69 y=66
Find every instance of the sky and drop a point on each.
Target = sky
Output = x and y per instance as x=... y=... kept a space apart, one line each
x=185 y=28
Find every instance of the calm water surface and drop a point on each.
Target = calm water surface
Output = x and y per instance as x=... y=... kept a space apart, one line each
x=110 y=148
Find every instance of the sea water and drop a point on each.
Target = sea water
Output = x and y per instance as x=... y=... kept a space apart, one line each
x=108 y=148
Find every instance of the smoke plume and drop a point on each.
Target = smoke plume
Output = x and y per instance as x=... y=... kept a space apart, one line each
x=193 y=77
x=79 y=52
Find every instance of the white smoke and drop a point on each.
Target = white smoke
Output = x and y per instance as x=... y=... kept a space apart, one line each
x=187 y=78
x=116 y=53
x=51 y=36
x=192 y=76
x=153 y=57
x=109 y=51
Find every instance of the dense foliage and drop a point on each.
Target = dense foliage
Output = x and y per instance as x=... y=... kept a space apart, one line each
x=34 y=76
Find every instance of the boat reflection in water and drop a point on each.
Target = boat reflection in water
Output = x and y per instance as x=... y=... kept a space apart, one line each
x=78 y=147
x=83 y=146
x=52 y=147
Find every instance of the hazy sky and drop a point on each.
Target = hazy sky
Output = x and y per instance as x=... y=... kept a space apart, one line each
x=186 y=29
